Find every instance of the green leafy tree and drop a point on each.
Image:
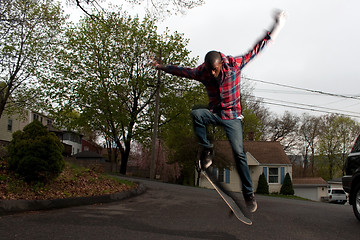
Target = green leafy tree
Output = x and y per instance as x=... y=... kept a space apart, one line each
x=287 y=187
x=348 y=131
x=263 y=186
x=336 y=138
x=178 y=133
x=29 y=30
x=36 y=154
x=254 y=111
x=103 y=73
x=252 y=125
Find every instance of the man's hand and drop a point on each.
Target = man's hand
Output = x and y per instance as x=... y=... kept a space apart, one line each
x=280 y=19
x=154 y=63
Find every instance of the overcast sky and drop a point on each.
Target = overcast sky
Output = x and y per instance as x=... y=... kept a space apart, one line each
x=318 y=49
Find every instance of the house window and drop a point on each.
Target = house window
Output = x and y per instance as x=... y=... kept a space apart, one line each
x=36 y=117
x=221 y=175
x=273 y=175
x=72 y=137
x=75 y=138
x=66 y=136
x=10 y=124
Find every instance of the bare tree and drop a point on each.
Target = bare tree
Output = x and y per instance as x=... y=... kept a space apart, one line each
x=284 y=129
x=158 y=9
x=309 y=131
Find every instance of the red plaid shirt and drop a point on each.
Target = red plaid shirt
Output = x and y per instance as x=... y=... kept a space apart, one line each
x=224 y=98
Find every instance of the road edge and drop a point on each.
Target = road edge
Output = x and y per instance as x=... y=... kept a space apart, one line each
x=8 y=207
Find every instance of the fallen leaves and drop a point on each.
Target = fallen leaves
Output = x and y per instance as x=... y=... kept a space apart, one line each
x=72 y=182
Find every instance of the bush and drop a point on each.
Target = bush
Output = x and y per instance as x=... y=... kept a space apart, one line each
x=263 y=186
x=36 y=154
x=287 y=187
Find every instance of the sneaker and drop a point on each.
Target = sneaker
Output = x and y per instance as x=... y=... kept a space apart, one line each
x=251 y=203
x=206 y=158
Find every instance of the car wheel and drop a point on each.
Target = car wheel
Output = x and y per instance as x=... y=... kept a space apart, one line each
x=356 y=205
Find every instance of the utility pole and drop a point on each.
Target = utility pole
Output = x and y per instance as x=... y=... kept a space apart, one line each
x=156 y=123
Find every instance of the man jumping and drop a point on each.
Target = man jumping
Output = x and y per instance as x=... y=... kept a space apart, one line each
x=220 y=75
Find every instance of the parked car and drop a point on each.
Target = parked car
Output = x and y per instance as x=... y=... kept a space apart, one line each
x=337 y=195
x=351 y=181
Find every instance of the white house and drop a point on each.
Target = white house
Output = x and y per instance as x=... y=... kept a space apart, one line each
x=12 y=123
x=263 y=157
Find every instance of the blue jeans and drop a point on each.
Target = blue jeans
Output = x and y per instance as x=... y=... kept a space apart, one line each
x=233 y=129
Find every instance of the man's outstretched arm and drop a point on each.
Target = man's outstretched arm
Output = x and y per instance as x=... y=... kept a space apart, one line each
x=280 y=19
x=191 y=73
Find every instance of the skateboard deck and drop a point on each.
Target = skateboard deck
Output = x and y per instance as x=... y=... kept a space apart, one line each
x=228 y=200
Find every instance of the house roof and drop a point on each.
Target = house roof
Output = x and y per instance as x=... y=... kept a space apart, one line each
x=87 y=154
x=51 y=128
x=336 y=180
x=267 y=152
x=309 y=181
x=263 y=151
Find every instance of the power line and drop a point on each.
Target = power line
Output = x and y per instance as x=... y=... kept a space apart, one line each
x=303 y=89
x=310 y=109
x=307 y=107
x=282 y=91
x=312 y=106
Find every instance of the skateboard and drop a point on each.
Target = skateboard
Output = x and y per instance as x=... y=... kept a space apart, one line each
x=228 y=200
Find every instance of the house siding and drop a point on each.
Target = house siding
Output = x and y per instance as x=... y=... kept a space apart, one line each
x=314 y=193
x=18 y=123
x=5 y=134
x=235 y=184
x=76 y=147
x=255 y=172
x=231 y=180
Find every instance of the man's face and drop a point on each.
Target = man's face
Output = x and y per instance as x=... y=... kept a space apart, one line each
x=214 y=69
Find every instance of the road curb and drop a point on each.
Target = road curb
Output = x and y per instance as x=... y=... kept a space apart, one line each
x=8 y=207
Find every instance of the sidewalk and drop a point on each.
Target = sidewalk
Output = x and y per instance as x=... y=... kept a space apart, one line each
x=16 y=206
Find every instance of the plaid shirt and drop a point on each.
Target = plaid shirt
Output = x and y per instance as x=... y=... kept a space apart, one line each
x=224 y=97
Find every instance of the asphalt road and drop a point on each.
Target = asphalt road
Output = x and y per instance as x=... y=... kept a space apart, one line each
x=167 y=211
